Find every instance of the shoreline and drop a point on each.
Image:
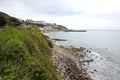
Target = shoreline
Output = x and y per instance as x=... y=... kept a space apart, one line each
x=95 y=65
x=81 y=64
x=70 y=64
x=51 y=31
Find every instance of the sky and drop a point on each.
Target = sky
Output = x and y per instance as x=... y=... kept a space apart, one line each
x=74 y=14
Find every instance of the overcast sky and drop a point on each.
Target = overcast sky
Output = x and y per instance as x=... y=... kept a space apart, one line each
x=75 y=14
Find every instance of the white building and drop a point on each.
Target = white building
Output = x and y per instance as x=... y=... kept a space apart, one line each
x=48 y=27
x=35 y=22
x=39 y=22
x=42 y=29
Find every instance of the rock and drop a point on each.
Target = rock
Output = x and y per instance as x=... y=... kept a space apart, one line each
x=95 y=70
x=70 y=64
x=92 y=72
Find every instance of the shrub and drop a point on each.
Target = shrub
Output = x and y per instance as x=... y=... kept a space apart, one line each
x=13 y=50
x=25 y=55
x=11 y=21
x=2 y=21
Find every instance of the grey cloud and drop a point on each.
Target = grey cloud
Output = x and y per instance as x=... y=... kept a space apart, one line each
x=48 y=7
x=114 y=16
x=51 y=7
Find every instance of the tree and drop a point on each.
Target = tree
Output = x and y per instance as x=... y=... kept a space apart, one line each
x=13 y=21
x=61 y=27
x=2 y=21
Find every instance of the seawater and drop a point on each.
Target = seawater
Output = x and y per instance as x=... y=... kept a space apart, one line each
x=105 y=43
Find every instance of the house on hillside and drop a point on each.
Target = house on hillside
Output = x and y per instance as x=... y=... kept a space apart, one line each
x=42 y=29
x=39 y=22
x=48 y=28
x=31 y=22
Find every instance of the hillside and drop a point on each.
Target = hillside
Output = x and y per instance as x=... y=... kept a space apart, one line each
x=25 y=55
x=61 y=27
x=45 y=25
x=4 y=14
x=6 y=20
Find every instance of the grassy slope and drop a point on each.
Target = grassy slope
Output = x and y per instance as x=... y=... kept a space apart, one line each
x=25 y=55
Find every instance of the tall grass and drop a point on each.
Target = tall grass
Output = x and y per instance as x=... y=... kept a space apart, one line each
x=25 y=55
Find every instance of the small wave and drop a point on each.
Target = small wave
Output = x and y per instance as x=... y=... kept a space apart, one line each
x=101 y=68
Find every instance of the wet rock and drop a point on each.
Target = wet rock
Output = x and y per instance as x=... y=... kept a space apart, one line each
x=70 y=64
x=92 y=72
x=95 y=70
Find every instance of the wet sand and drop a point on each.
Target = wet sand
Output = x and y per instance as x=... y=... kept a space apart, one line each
x=50 y=31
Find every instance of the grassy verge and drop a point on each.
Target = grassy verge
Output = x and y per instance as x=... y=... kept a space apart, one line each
x=25 y=55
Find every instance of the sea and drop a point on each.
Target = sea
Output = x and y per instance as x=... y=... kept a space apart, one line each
x=105 y=47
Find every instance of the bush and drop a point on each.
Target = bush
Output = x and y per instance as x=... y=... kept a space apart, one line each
x=11 y=21
x=13 y=50
x=2 y=21
x=25 y=55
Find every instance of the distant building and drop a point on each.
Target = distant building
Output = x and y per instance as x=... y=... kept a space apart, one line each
x=42 y=29
x=29 y=20
x=39 y=22
x=48 y=27
x=35 y=22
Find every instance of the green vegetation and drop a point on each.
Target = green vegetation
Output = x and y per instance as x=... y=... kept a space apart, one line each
x=11 y=21
x=40 y=25
x=25 y=55
x=8 y=20
x=61 y=27
x=2 y=21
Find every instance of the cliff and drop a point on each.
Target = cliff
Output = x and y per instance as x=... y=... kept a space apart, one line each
x=25 y=55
